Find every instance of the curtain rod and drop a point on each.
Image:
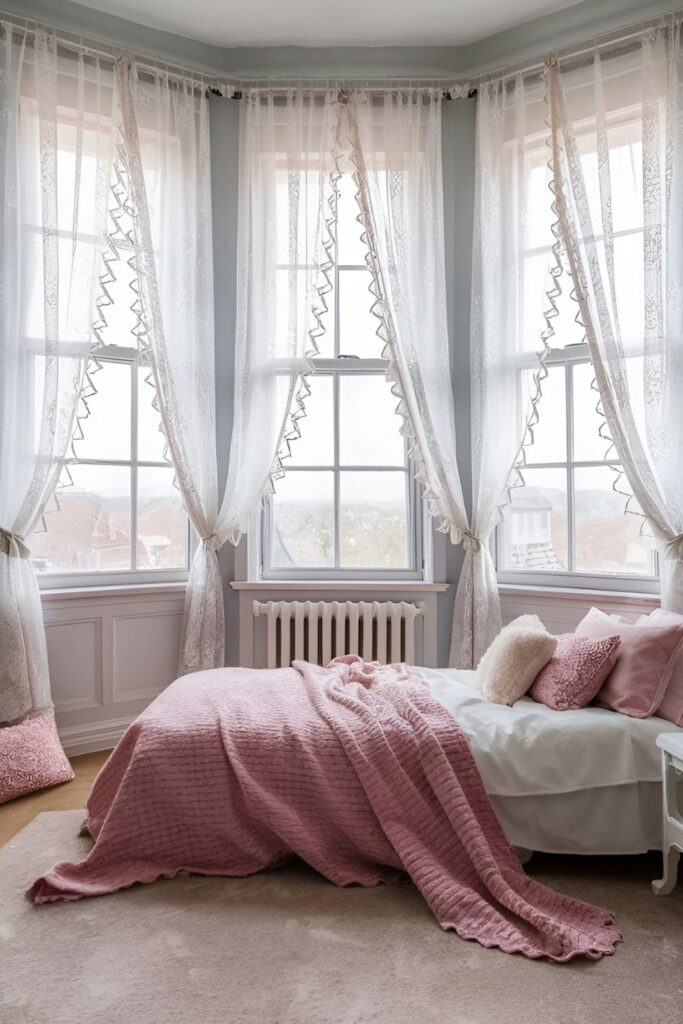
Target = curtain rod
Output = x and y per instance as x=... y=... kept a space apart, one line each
x=238 y=94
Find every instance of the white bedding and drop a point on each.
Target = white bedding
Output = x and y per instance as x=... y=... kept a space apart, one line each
x=562 y=781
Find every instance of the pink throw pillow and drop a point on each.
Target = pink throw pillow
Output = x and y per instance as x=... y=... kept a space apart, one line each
x=31 y=757
x=671 y=707
x=576 y=671
x=647 y=656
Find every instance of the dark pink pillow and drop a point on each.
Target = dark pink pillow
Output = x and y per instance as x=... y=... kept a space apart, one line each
x=31 y=757
x=576 y=671
x=647 y=656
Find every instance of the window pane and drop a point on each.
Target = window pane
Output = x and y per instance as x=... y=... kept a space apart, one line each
x=303 y=520
x=162 y=523
x=294 y=318
x=302 y=197
x=106 y=430
x=91 y=530
x=373 y=520
x=538 y=214
x=588 y=445
x=550 y=433
x=357 y=325
x=535 y=530
x=150 y=438
x=351 y=250
x=119 y=320
x=368 y=422
x=315 y=447
x=608 y=539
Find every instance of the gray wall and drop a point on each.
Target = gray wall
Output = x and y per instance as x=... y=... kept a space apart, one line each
x=575 y=24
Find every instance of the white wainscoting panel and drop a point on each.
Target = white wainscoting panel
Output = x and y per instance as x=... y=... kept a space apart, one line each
x=74 y=650
x=561 y=610
x=145 y=648
x=110 y=651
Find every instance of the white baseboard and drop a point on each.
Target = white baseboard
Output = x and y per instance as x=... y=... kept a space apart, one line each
x=88 y=739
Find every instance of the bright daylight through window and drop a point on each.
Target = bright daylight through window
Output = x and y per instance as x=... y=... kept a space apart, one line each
x=347 y=505
x=570 y=517
x=120 y=516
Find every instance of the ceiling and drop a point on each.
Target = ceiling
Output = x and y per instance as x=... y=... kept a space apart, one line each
x=331 y=22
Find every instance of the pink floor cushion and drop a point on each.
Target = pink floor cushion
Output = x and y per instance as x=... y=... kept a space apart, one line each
x=31 y=757
x=576 y=672
x=637 y=684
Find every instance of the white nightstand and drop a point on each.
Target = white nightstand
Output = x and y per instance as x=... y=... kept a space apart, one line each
x=671 y=744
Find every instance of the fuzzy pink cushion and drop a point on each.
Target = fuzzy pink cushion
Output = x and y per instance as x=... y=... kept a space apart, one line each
x=31 y=757
x=671 y=707
x=576 y=671
x=647 y=656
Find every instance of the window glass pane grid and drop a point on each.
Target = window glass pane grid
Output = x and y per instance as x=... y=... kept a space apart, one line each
x=136 y=556
x=629 y=561
x=358 y=363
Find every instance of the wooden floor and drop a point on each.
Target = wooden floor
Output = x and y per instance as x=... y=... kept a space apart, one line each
x=69 y=796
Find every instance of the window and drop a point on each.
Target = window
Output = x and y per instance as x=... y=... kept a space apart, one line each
x=347 y=506
x=571 y=521
x=121 y=514
x=568 y=519
x=120 y=519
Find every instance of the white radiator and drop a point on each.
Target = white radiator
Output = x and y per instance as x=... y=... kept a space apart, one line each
x=318 y=631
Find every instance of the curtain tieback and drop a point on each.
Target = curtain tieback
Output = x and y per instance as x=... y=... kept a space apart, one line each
x=210 y=543
x=13 y=544
x=470 y=542
x=674 y=548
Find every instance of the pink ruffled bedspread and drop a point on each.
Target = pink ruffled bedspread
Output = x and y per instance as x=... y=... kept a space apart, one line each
x=355 y=768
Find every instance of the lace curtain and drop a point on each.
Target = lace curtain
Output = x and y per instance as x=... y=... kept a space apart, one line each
x=621 y=219
x=57 y=132
x=165 y=150
x=287 y=209
x=508 y=332
x=394 y=138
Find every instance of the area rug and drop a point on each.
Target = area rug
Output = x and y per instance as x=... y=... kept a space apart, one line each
x=287 y=947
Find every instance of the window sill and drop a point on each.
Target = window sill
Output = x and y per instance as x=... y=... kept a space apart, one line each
x=340 y=586
x=580 y=594
x=117 y=590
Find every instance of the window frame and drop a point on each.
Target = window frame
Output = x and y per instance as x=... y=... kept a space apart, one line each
x=128 y=356
x=571 y=355
x=416 y=523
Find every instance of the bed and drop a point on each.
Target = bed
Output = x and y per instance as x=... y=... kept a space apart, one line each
x=353 y=768
x=585 y=782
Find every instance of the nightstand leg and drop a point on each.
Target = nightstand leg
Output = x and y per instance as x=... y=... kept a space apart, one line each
x=663 y=886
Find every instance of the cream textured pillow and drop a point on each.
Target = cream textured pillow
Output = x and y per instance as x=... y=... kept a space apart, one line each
x=514 y=659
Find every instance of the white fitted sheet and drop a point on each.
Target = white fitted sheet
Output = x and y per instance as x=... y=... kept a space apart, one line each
x=586 y=782
x=530 y=750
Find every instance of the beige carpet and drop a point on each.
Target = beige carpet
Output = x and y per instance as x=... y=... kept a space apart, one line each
x=289 y=948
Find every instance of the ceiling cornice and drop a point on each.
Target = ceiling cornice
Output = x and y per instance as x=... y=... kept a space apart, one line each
x=575 y=24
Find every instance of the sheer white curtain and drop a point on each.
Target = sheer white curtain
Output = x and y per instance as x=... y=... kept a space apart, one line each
x=508 y=331
x=618 y=161
x=167 y=159
x=57 y=131
x=286 y=208
x=287 y=172
x=394 y=137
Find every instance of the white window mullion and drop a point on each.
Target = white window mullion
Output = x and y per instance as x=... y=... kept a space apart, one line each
x=133 y=466
x=571 y=504
x=337 y=480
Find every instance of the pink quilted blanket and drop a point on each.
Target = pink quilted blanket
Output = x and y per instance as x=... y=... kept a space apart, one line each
x=355 y=768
